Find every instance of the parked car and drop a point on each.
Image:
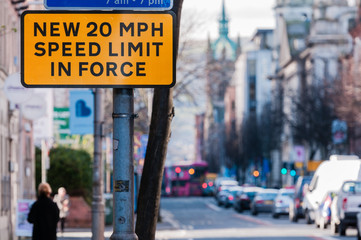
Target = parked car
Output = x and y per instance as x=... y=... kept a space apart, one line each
x=222 y=196
x=345 y=207
x=296 y=210
x=282 y=202
x=323 y=213
x=330 y=176
x=243 y=199
x=223 y=182
x=208 y=185
x=232 y=193
x=223 y=190
x=263 y=201
x=208 y=188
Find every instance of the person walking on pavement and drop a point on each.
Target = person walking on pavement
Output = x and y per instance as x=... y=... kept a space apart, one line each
x=44 y=215
x=62 y=200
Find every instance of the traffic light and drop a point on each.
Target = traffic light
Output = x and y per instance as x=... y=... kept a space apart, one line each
x=288 y=167
x=255 y=173
x=293 y=170
x=284 y=169
x=178 y=170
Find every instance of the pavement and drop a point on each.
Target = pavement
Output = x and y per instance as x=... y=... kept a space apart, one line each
x=85 y=233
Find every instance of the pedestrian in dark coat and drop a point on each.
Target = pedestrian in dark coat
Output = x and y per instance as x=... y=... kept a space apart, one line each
x=44 y=214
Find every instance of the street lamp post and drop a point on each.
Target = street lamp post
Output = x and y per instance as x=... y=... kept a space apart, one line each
x=123 y=164
x=97 y=203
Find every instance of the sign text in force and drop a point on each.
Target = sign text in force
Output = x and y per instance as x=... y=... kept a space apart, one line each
x=90 y=49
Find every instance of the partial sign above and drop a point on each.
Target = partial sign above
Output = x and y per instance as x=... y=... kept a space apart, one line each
x=299 y=153
x=14 y=91
x=145 y=5
x=34 y=108
x=97 y=49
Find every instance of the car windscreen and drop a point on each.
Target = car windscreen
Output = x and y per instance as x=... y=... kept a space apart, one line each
x=251 y=194
x=303 y=188
x=352 y=187
x=288 y=194
x=229 y=183
x=267 y=195
x=236 y=192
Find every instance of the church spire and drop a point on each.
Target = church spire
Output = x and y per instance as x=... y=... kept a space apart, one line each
x=223 y=22
x=224 y=47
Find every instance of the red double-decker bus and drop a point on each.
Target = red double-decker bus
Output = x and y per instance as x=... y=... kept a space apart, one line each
x=184 y=179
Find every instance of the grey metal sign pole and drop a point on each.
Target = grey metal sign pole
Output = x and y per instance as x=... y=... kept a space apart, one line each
x=123 y=164
x=97 y=203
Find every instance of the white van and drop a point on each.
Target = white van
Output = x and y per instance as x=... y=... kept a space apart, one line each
x=330 y=176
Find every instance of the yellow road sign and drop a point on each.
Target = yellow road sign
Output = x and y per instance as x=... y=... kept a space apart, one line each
x=97 y=49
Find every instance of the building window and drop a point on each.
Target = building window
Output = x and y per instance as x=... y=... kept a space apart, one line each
x=252 y=105
x=351 y=24
x=5 y=194
x=28 y=148
x=233 y=128
x=251 y=67
x=252 y=92
x=252 y=79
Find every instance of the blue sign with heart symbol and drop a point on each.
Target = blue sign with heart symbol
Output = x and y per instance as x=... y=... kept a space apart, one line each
x=81 y=109
x=81 y=112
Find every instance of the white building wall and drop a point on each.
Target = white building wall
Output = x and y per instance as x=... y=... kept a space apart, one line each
x=263 y=84
x=291 y=85
x=241 y=88
x=263 y=60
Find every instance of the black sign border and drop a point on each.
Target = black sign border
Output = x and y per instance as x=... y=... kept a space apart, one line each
x=97 y=85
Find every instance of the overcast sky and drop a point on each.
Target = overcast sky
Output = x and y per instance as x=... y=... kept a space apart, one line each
x=245 y=15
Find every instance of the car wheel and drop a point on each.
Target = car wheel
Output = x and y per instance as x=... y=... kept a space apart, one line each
x=254 y=212
x=342 y=229
x=308 y=218
x=334 y=228
x=317 y=223
x=275 y=215
x=322 y=224
x=358 y=233
x=291 y=216
x=294 y=218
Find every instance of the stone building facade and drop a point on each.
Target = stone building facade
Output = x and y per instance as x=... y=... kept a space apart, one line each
x=17 y=152
x=311 y=41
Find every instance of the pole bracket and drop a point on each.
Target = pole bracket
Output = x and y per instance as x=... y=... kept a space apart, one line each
x=125 y=115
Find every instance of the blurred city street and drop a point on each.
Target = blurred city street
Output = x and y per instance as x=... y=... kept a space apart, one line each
x=201 y=218
x=237 y=119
